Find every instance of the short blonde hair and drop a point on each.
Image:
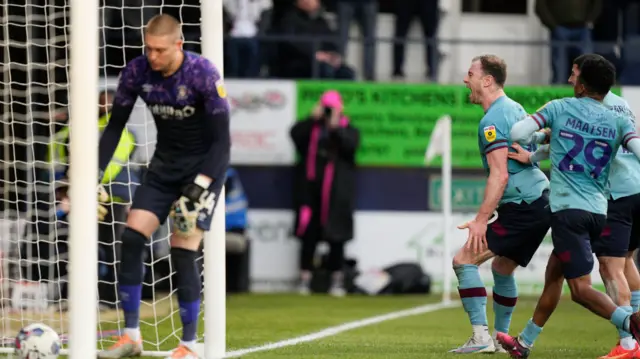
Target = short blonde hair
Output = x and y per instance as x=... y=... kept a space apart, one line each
x=162 y=25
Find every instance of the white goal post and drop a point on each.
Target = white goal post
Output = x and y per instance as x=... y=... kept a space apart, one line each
x=83 y=226
x=44 y=256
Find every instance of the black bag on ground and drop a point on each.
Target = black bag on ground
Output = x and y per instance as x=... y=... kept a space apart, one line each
x=402 y=278
x=407 y=278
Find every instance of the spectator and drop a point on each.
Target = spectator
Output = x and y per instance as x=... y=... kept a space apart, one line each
x=296 y=58
x=325 y=187
x=568 y=21
x=428 y=12
x=61 y=235
x=247 y=19
x=366 y=14
x=605 y=34
x=119 y=182
x=117 y=176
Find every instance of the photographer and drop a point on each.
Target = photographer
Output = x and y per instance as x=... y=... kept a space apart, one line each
x=324 y=191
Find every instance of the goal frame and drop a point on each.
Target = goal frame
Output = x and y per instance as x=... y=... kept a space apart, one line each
x=214 y=253
x=83 y=224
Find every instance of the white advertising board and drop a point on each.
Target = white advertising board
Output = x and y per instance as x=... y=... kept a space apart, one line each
x=262 y=113
x=274 y=252
x=382 y=239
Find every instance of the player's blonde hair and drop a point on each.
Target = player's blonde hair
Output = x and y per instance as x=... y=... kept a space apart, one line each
x=495 y=66
x=163 y=25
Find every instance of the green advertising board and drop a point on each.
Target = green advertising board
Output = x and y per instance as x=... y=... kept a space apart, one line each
x=396 y=120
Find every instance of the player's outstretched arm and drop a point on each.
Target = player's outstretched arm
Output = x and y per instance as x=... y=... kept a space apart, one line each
x=112 y=133
x=633 y=145
x=542 y=137
x=525 y=132
x=630 y=139
x=125 y=99
x=541 y=154
x=523 y=156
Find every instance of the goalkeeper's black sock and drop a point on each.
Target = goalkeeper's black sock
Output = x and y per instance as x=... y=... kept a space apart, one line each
x=131 y=275
x=189 y=287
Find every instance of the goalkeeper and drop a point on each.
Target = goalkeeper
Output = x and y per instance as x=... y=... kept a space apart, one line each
x=185 y=94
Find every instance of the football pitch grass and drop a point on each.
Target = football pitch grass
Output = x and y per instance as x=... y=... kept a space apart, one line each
x=254 y=320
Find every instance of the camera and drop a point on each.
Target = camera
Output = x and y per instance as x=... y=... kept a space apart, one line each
x=326 y=113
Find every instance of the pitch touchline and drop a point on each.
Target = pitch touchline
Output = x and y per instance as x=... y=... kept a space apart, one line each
x=331 y=331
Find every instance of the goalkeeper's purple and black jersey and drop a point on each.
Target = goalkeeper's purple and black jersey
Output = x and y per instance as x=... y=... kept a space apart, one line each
x=190 y=112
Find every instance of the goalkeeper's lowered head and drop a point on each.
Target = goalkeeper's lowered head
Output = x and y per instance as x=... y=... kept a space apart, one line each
x=163 y=44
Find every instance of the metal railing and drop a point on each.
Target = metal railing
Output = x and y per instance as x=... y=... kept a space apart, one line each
x=619 y=52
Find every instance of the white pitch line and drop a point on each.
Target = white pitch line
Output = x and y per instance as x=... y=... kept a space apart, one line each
x=331 y=331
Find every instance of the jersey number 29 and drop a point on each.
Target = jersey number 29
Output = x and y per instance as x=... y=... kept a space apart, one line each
x=589 y=152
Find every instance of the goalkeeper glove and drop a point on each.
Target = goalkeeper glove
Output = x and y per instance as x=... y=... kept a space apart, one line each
x=189 y=206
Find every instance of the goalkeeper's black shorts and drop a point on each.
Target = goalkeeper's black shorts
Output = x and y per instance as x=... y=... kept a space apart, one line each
x=163 y=183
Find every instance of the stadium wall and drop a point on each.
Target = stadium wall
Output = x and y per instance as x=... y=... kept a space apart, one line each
x=398 y=197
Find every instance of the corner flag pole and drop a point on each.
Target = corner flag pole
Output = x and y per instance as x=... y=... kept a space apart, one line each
x=440 y=144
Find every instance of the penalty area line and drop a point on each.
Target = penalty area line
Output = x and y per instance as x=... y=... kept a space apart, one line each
x=331 y=331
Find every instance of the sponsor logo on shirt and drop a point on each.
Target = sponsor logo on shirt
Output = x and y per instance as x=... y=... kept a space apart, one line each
x=169 y=112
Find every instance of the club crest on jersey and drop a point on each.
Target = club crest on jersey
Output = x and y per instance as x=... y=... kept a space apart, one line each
x=182 y=92
x=222 y=92
x=490 y=133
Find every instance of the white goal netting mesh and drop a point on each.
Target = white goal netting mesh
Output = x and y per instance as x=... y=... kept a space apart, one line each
x=33 y=235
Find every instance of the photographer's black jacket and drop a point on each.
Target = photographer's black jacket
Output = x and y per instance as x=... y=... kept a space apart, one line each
x=324 y=192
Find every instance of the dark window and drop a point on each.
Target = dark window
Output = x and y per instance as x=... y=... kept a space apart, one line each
x=513 y=7
x=384 y=6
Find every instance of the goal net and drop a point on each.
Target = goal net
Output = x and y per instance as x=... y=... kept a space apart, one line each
x=34 y=156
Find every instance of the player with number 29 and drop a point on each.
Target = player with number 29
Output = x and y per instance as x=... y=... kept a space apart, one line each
x=585 y=137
